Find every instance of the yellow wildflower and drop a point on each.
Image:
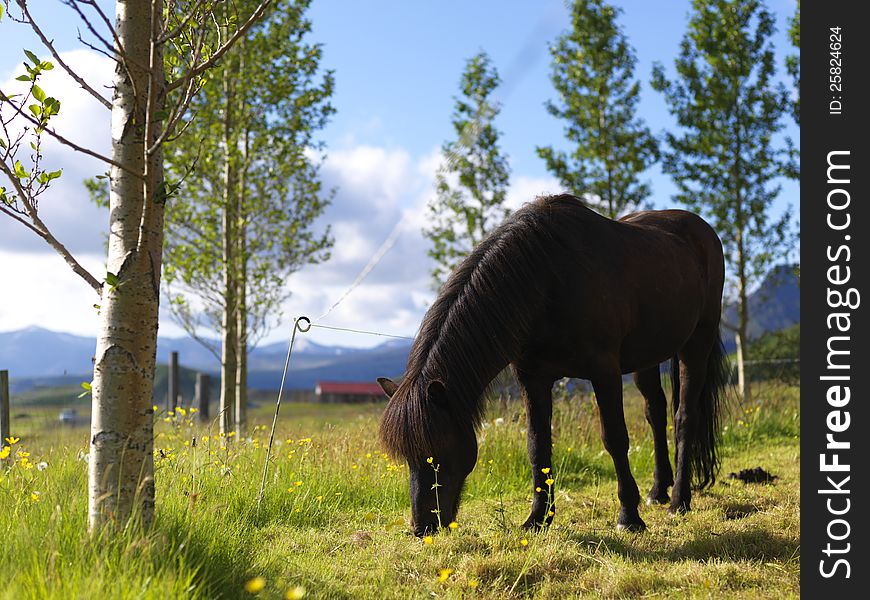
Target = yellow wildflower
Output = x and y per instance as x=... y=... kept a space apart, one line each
x=12 y=440
x=472 y=583
x=453 y=525
x=443 y=574
x=428 y=539
x=295 y=593
x=297 y=483
x=4 y=452
x=429 y=460
x=34 y=497
x=524 y=542
x=545 y=470
x=255 y=585
x=550 y=481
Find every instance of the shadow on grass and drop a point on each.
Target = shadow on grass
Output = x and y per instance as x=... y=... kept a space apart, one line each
x=736 y=545
x=731 y=545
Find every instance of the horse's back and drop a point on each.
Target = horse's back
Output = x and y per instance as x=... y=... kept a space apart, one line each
x=703 y=243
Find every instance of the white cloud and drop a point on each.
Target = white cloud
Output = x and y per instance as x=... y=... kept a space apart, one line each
x=40 y=289
x=526 y=189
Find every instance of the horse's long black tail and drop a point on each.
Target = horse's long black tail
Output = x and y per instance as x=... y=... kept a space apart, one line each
x=704 y=450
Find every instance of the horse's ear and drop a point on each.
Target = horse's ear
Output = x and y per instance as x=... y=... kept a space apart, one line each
x=388 y=385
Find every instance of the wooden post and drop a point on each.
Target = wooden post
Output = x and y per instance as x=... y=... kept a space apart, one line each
x=4 y=407
x=172 y=383
x=203 y=395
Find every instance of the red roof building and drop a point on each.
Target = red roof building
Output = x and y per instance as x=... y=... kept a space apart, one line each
x=348 y=391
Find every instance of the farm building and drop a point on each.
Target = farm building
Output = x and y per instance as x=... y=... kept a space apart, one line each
x=348 y=391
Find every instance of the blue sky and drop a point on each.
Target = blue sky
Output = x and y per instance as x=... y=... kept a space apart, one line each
x=397 y=65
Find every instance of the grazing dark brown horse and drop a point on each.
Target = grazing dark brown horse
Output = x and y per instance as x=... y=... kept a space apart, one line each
x=560 y=291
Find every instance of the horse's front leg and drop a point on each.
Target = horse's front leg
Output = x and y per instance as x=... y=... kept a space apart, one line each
x=538 y=397
x=608 y=394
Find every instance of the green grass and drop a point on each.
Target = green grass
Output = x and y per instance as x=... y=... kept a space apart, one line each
x=343 y=533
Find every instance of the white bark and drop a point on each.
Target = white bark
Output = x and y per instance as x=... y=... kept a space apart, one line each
x=121 y=465
x=229 y=345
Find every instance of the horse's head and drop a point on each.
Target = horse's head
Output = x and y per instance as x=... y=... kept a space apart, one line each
x=438 y=445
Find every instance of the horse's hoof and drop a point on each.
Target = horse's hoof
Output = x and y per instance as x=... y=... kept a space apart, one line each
x=533 y=524
x=659 y=499
x=634 y=527
x=678 y=510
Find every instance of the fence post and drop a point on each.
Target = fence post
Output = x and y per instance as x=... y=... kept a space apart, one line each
x=4 y=407
x=172 y=383
x=203 y=392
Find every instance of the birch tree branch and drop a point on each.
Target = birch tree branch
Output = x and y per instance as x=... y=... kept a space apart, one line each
x=241 y=31
x=40 y=229
x=48 y=44
x=54 y=134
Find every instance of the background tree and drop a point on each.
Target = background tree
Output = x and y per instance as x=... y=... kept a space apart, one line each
x=793 y=66
x=593 y=73
x=147 y=104
x=471 y=183
x=723 y=158
x=793 y=61
x=243 y=220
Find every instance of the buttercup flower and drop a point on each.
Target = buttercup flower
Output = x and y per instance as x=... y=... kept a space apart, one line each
x=443 y=574
x=255 y=585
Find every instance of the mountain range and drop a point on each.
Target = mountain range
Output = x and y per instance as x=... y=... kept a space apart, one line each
x=37 y=357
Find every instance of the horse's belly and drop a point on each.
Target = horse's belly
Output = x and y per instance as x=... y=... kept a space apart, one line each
x=656 y=341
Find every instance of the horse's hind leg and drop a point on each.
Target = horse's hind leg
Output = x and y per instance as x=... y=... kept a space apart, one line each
x=538 y=397
x=693 y=373
x=655 y=407
x=608 y=394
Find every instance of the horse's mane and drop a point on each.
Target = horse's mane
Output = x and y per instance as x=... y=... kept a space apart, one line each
x=477 y=323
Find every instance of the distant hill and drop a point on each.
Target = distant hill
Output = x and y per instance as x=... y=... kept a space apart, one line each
x=39 y=359
x=774 y=305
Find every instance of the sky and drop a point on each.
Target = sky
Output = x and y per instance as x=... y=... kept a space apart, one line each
x=397 y=66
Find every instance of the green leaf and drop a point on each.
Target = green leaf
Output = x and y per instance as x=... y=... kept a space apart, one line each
x=54 y=174
x=23 y=78
x=33 y=58
x=87 y=389
x=38 y=93
x=20 y=173
x=112 y=280
x=2 y=144
x=46 y=65
x=36 y=109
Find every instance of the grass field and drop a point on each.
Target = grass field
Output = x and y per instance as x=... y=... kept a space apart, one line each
x=334 y=522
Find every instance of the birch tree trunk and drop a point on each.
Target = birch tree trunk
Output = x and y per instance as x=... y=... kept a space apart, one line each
x=740 y=336
x=242 y=348
x=229 y=343
x=242 y=297
x=121 y=461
